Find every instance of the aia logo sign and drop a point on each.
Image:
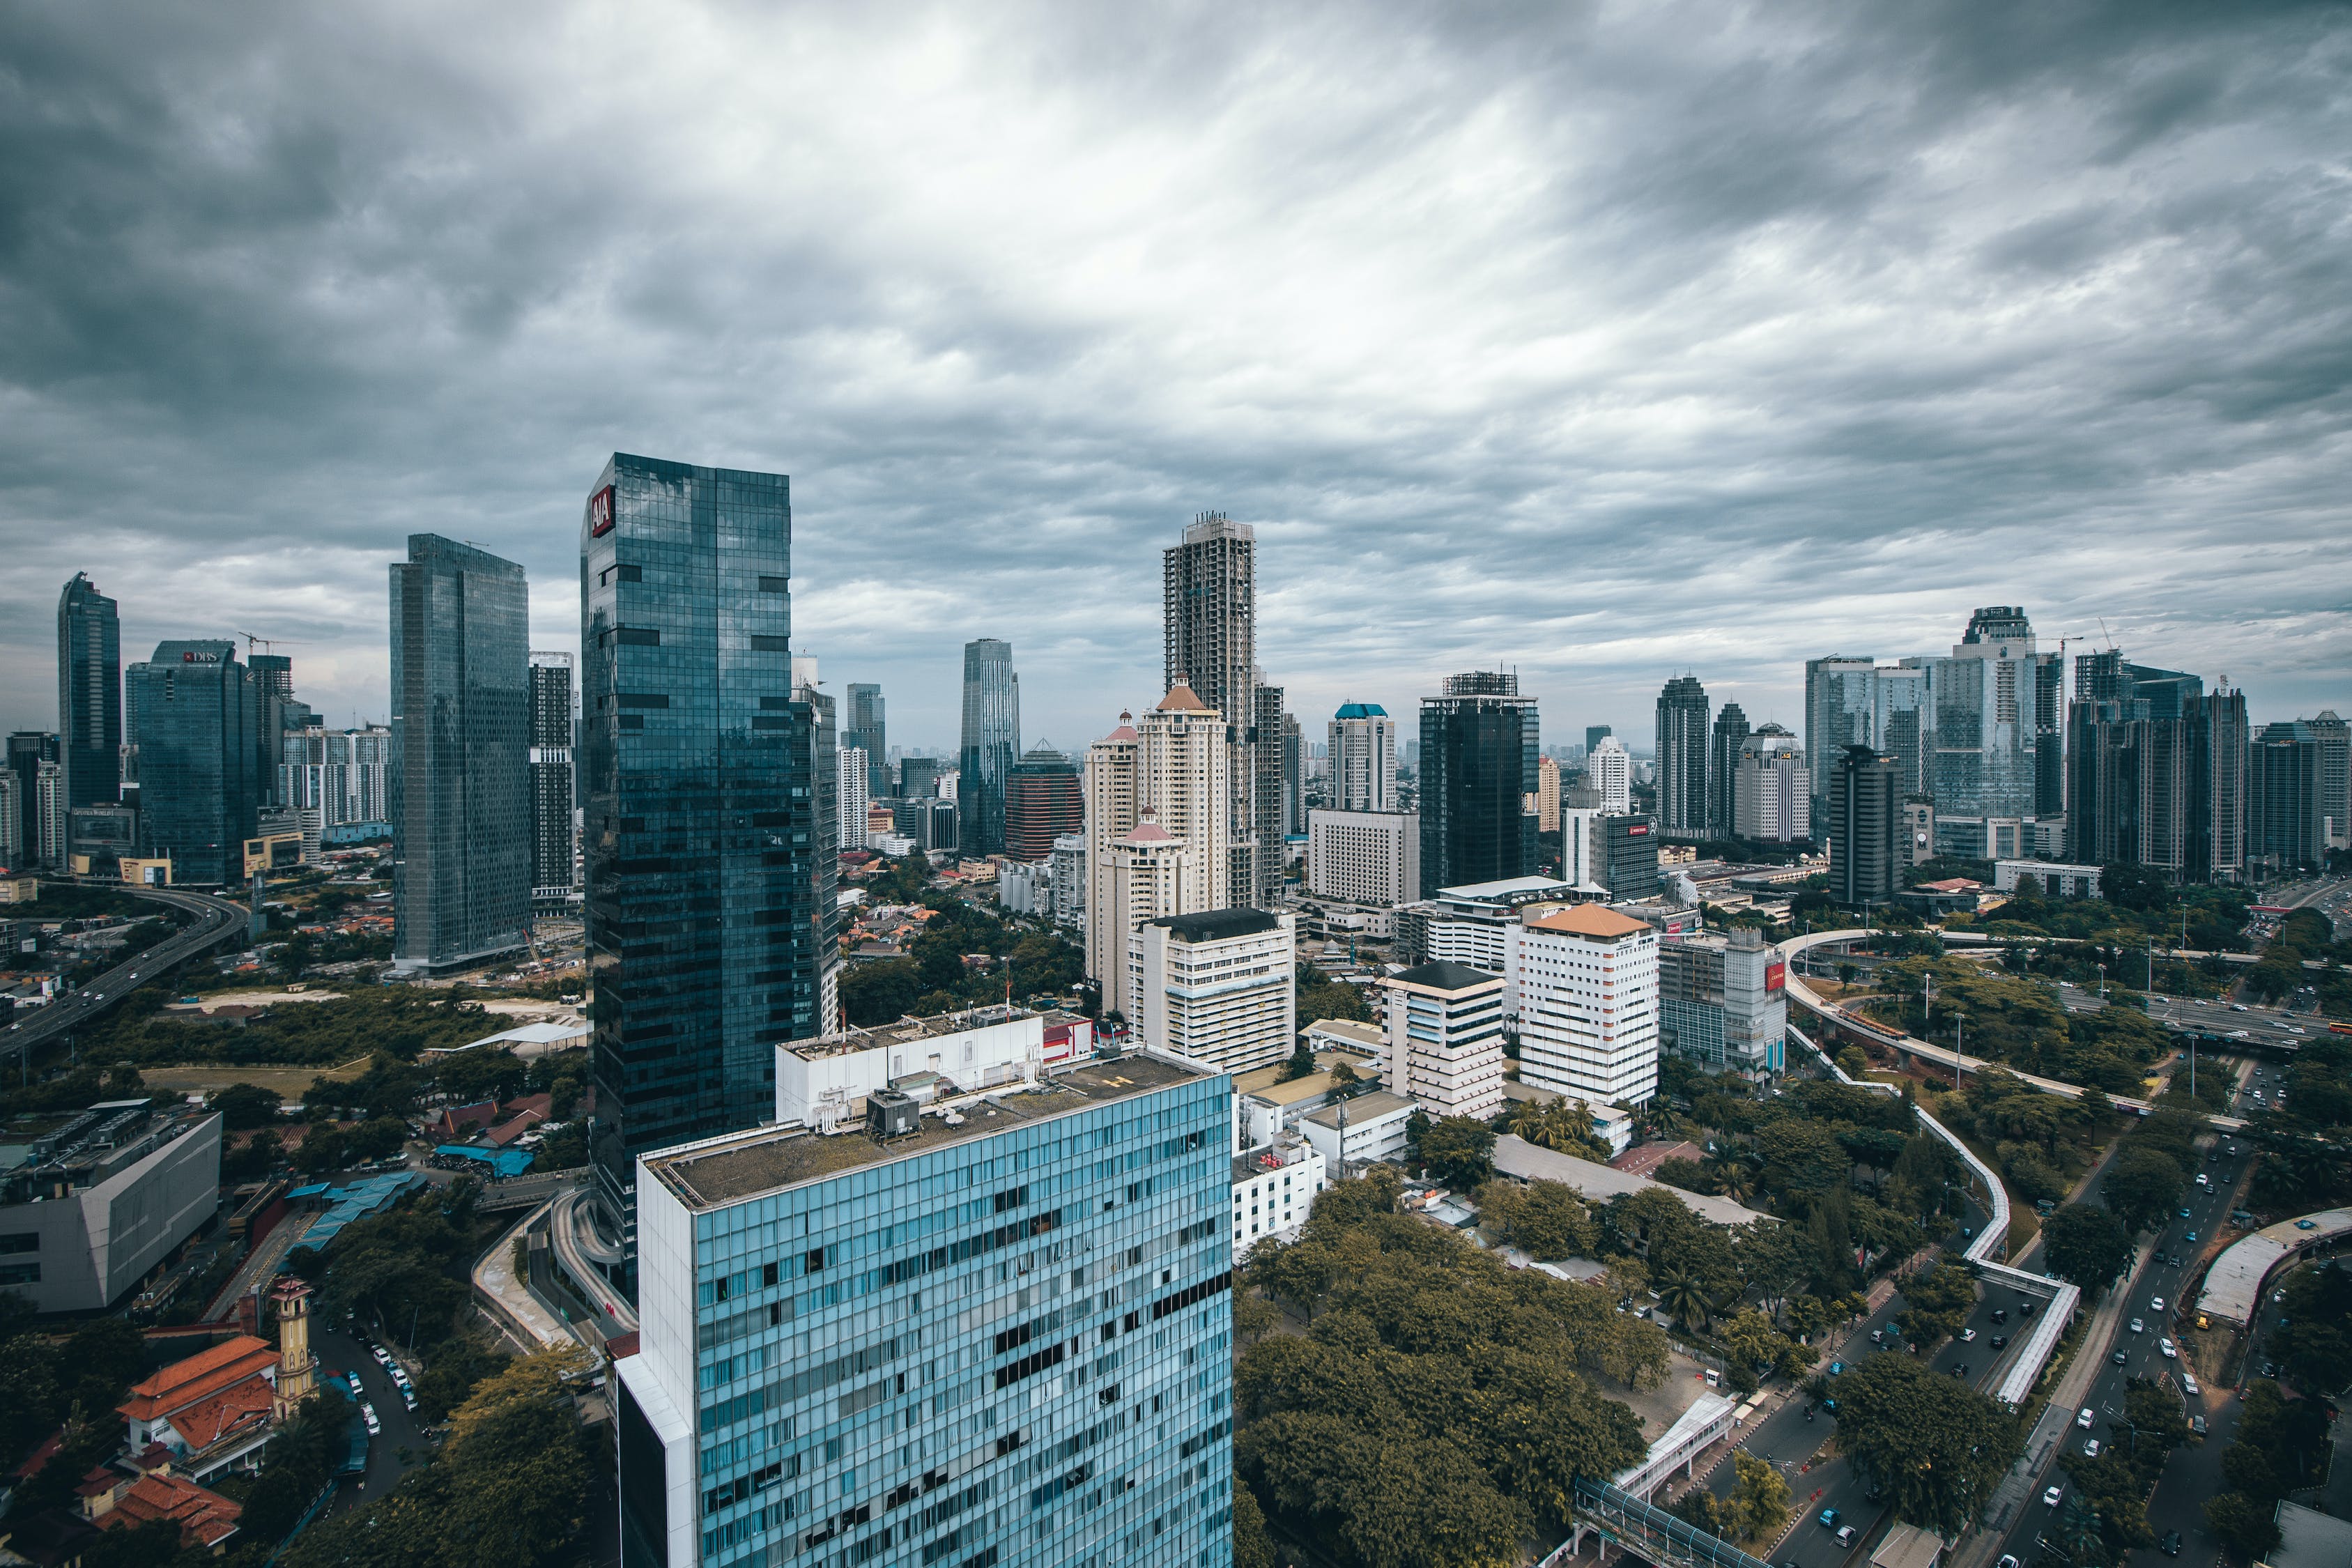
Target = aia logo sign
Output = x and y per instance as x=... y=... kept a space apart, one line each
x=600 y=513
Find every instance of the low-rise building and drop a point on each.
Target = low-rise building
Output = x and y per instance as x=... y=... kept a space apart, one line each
x=1444 y=1046
x=1364 y=856
x=91 y=1200
x=825 y=1083
x=1274 y=1189
x=210 y=1410
x=1360 y=1130
x=2057 y=880
x=1217 y=987
x=1473 y=924
x=1722 y=1002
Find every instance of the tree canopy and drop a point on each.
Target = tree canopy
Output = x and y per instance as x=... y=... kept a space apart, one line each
x=1938 y=1446
x=2085 y=1245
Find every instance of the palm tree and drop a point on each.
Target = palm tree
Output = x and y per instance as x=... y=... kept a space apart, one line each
x=1684 y=1294
x=1738 y=1177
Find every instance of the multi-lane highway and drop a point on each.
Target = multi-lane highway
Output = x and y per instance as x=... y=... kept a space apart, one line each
x=216 y=919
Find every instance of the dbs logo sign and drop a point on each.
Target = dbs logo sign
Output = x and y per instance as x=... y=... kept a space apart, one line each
x=600 y=513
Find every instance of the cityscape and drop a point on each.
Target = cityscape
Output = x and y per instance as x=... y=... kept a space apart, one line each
x=633 y=1048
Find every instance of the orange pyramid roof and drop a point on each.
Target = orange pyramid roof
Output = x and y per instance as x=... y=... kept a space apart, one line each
x=1589 y=920
x=1182 y=699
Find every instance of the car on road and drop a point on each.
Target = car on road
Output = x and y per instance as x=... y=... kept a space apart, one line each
x=2306 y=1224
x=1962 y=1370
x=2091 y=1449
x=384 y=1357
x=2156 y=1305
x=2239 y=1007
x=2189 y=1384
x=2008 y=1562
x=2189 y=1236
x=1968 y=1336
x=2165 y=1346
x=2120 y=1359
x=2270 y=1369
x=2169 y=1544
x=2051 y=1495
x=1829 y=1518
x=1845 y=1535
x=375 y=1426
x=353 y=1379
x=2001 y=1342
x=1836 y=1368
x=2085 y=1418
x=2139 y=1326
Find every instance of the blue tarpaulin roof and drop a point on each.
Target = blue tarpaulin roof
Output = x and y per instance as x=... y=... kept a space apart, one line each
x=357 y=1201
x=501 y=1162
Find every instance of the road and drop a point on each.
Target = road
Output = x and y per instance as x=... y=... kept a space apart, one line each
x=340 y=1351
x=216 y=919
x=2255 y=1024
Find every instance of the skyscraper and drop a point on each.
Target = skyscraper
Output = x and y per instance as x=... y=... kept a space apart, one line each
x=706 y=774
x=27 y=750
x=1593 y=735
x=1840 y=711
x=554 y=837
x=991 y=734
x=2334 y=775
x=1730 y=734
x=1682 y=757
x=1546 y=795
x=2155 y=771
x=1771 y=789
x=1042 y=803
x=2286 y=816
x=1609 y=773
x=1157 y=829
x=460 y=734
x=1209 y=634
x=1294 y=777
x=90 y=694
x=1865 y=827
x=1363 y=742
x=1266 y=827
x=850 y=799
x=1984 y=723
x=863 y=727
x=1479 y=747
x=1026 y=1374
x=273 y=686
x=200 y=791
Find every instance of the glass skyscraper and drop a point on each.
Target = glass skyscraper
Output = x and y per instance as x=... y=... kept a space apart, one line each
x=991 y=734
x=996 y=1339
x=710 y=884
x=1682 y=757
x=554 y=873
x=90 y=694
x=460 y=718
x=1478 y=748
x=198 y=716
x=862 y=726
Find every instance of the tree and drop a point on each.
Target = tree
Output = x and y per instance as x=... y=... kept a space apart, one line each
x=243 y=1106
x=1698 y=1509
x=1938 y=1303
x=2085 y=1245
x=1685 y=1295
x=1938 y=1446
x=1759 y=1498
x=2143 y=1186
x=2245 y=1528
x=1547 y=1220
x=1301 y=1063
x=880 y=993
x=1802 y=1158
x=1253 y=1548
x=1459 y=1150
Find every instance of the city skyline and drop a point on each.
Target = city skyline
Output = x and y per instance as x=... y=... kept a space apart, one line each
x=1636 y=412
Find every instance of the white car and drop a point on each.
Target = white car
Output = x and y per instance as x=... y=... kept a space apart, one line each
x=2165 y=1346
x=2052 y=1494
x=367 y=1414
x=2156 y=1305
x=2138 y=1327
x=2085 y=1418
x=2091 y=1449
x=2189 y=1384
x=384 y=1357
x=1968 y=1336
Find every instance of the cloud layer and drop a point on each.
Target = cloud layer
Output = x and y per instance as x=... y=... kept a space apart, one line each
x=1608 y=342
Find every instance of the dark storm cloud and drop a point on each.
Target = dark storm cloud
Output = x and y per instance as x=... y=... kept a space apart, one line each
x=1605 y=341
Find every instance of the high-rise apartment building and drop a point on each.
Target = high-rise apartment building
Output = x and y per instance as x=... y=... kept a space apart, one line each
x=273 y=685
x=991 y=736
x=27 y=750
x=1157 y=829
x=2155 y=771
x=90 y=694
x=1364 y=856
x=197 y=716
x=2335 y=777
x=1865 y=827
x=1445 y=1038
x=11 y=823
x=341 y=774
x=1983 y=716
x=1479 y=740
x=1609 y=773
x=1022 y=1377
x=1363 y=743
x=1209 y=637
x=707 y=782
x=2286 y=810
x=865 y=727
x=50 y=814
x=1683 y=717
x=1546 y=795
x=1218 y=987
x=1266 y=828
x=918 y=777
x=851 y=776
x=1771 y=788
x=1587 y=979
x=554 y=831
x=1293 y=777
x=460 y=774
x=1724 y=746
x=1043 y=802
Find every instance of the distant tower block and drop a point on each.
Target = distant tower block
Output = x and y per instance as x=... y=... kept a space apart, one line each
x=298 y=1369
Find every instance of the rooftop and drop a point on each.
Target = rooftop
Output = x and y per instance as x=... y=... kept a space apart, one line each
x=1443 y=974
x=1362 y=1108
x=1361 y=710
x=907 y=1031
x=743 y=1165
x=1589 y=920
x=1496 y=892
x=1514 y=1156
x=1369 y=1037
x=1182 y=699
x=1215 y=925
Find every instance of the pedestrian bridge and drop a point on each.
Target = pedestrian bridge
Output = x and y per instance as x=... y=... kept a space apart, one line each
x=1622 y=1519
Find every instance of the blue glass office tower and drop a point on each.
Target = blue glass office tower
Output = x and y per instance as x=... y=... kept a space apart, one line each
x=458 y=783
x=1478 y=748
x=710 y=893
x=991 y=736
x=90 y=694
x=998 y=1343
x=197 y=717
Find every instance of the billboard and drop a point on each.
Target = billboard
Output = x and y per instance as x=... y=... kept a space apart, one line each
x=600 y=513
x=1776 y=977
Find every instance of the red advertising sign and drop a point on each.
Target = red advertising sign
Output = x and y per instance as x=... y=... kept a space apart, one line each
x=600 y=513
x=1639 y=831
x=1776 y=977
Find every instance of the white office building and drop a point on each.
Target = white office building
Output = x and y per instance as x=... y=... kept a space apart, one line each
x=1587 y=980
x=1363 y=758
x=1445 y=1038
x=1364 y=856
x=1359 y=1130
x=1275 y=1185
x=1068 y=863
x=1771 y=788
x=1610 y=771
x=1216 y=987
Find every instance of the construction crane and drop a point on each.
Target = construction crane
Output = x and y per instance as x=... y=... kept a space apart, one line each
x=251 y=642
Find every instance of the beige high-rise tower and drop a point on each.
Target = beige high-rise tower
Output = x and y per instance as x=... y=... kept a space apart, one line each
x=1158 y=829
x=298 y=1369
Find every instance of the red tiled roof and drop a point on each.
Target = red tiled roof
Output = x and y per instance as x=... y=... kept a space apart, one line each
x=227 y=1414
x=199 y=1376
x=499 y=1137
x=204 y=1517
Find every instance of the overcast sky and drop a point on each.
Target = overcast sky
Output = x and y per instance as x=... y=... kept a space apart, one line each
x=1609 y=341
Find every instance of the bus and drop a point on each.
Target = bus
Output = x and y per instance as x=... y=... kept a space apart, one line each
x=2339 y=1028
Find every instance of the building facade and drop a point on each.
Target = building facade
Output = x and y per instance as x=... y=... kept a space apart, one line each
x=1445 y=1038
x=554 y=828
x=1216 y=987
x=970 y=1342
x=90 y=694
x=1724 y=743
x=461 y=828
x=863 y=727
x=1623 y=856
x=1157 y=829
x=1772 y=789
x=1723 y=1003
x=1479 y=741
x=1364 y=856
x=1682 y=743
x=1546 y=795
x=991 y=736
x=342 y=774
x=1865 y=827
x=850 y=776
x=27 y=750
x=197 y=717
x=95 y=1199
x=1043 y=801
x=2286 y=815
x=1209 y=642
x=1587 y=1004
x=708 y=781
x=1609 y=773
x=1362 y=752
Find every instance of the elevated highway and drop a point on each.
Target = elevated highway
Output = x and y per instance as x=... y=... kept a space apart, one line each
x=217 y=921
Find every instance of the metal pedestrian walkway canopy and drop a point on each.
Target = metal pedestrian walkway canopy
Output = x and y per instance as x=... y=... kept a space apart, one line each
x=1653 y=1534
